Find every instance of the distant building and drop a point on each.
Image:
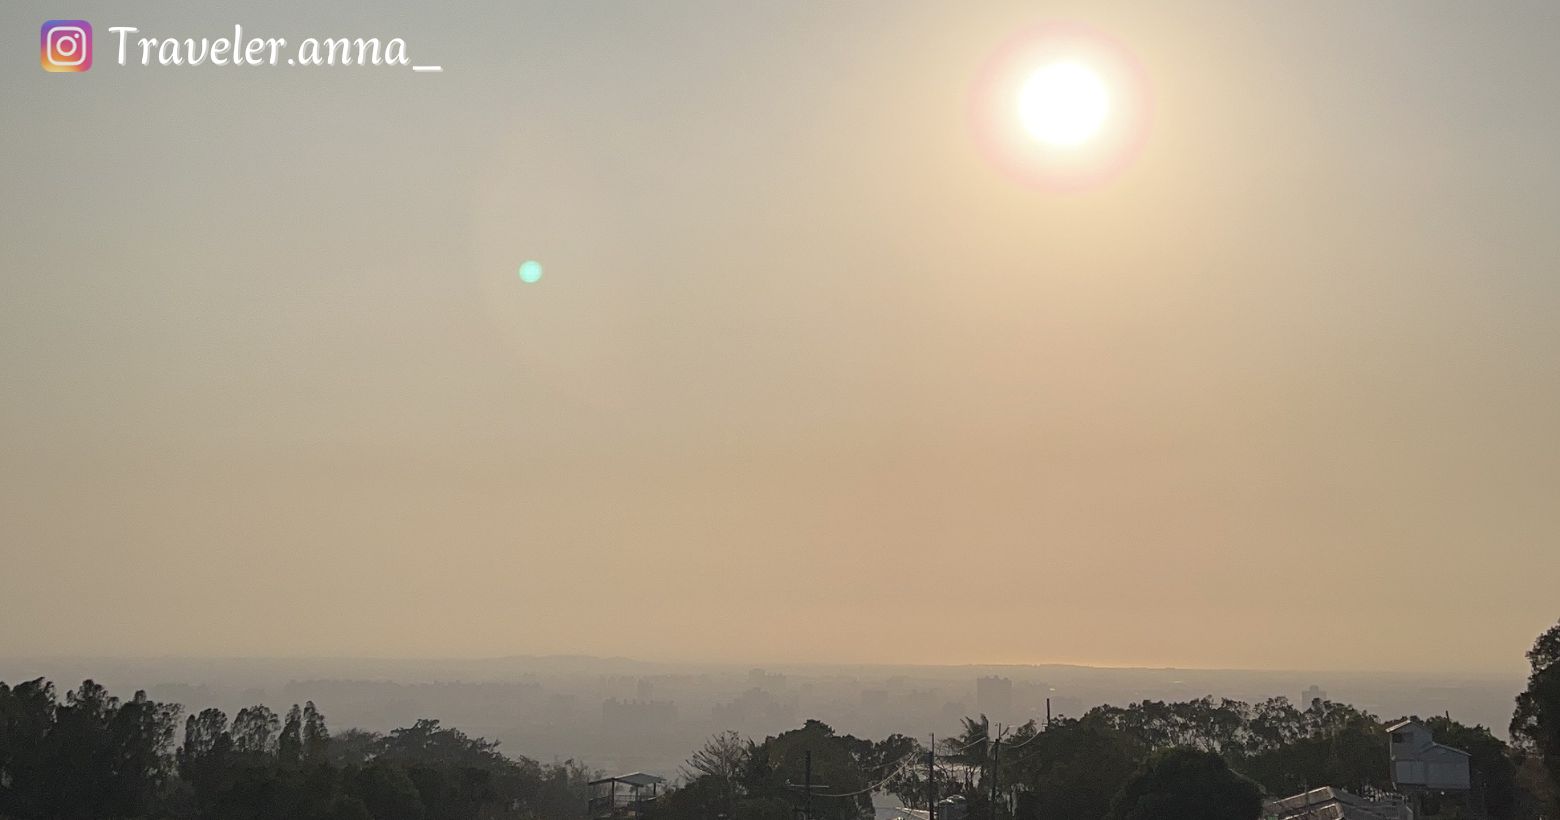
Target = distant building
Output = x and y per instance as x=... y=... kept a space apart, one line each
x=1418 y=762
x=621 y=687
x=994 y=697
x=638 y=718
x=1311 y=696
x=1328 y=803
x=757 y=710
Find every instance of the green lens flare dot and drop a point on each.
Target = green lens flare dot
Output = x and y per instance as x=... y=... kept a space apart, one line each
x=530 y=271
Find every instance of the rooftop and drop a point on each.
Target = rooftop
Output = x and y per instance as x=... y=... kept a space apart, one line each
x=631 y=779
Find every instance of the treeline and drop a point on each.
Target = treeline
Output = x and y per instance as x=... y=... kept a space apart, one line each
x=1194 y=756
x=94 y=757
x=1206 y=758
x=91 y=756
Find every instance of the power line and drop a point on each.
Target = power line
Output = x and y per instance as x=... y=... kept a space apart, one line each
x=903 y=764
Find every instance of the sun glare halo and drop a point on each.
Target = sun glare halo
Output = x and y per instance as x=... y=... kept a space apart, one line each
x=1063 y=104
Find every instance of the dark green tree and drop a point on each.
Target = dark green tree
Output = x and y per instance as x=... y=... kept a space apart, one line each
x=776 y=767
x=716 y=770
x=1336 y=744
x=206 y=757
x=353 y=747
x=1490 y=764
x=27 y=714
x=90 y=757
x=95 y=757
x=254 y=731
x=1535 y=725
x=1183 y=783
x=700 y=797
x=1073 y=769
x=901 y=761
x=289 y=744
x=316 y=737
x=141 y=761
x=77 y=769
x=427 y=742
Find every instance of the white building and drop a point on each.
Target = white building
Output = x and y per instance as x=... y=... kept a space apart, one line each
x=1418 y=762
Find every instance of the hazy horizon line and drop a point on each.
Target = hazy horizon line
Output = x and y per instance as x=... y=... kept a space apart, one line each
x=756 y=664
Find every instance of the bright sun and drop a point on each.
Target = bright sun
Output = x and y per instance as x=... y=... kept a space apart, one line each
x=1063 y=104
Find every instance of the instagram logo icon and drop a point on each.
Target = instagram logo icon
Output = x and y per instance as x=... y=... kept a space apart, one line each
x=65 y=45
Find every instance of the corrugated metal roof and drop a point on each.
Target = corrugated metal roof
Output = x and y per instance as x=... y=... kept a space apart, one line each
x=631 y=779
x=1328 y=803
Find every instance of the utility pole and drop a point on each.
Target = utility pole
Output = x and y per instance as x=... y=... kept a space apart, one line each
x=807 y=802
x=931 y=780
x=996 y=753
x=807 y=786
x=996 y=759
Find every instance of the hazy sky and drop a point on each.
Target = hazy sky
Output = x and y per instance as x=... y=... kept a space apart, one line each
x=807 y=377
